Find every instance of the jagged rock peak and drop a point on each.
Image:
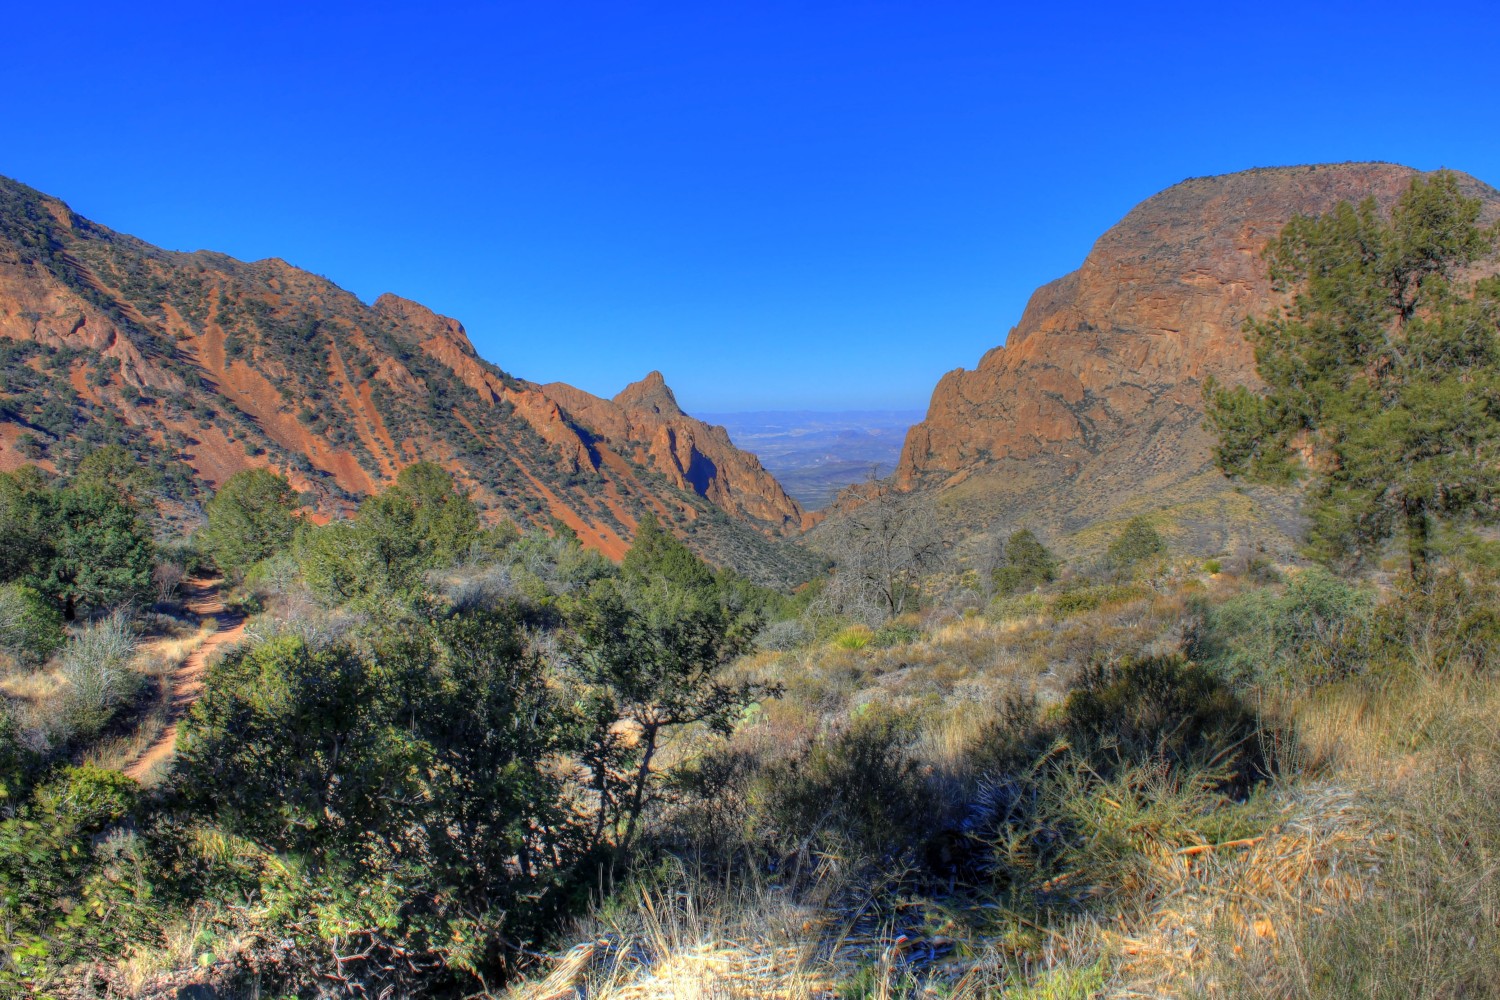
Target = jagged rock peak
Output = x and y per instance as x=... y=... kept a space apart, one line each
x=651 y=394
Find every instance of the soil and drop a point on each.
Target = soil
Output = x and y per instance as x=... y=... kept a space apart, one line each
x=204 y=601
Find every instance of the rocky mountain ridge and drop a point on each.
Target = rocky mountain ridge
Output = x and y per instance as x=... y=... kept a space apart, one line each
x=222 y=364
x=1094 y=404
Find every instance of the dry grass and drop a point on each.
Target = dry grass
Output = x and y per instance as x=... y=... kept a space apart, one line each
x=156 y=660
x=1373 y=866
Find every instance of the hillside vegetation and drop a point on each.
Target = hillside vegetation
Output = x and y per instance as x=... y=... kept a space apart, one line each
x=410 y=753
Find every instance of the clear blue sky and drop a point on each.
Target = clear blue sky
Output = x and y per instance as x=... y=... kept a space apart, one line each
x=808 y=205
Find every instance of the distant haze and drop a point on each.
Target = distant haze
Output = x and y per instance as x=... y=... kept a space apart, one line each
x=816 y=453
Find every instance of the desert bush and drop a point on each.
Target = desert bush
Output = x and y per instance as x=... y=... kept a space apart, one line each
x=857 y=788
x=167 y=578
x=1079 y=598
x=96 y=665
x=895 y=633
x=410 y=788
x=1137 y=541
x=1452 y=623
x=68 y=892
x=1166 y=709
x=854 y=637
x=1026 y=563
x=782 y=636
x=1316 y=629
x=1017 y=606
x=31 y=627
x=272 y=576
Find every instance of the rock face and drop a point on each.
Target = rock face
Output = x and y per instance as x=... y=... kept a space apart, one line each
x=221 y=364
x=645 y=423
x=1097 y=394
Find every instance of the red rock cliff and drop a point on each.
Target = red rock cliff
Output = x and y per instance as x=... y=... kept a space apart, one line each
x=1113 y=356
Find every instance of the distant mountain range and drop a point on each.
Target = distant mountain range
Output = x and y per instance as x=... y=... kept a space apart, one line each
x=815 y=453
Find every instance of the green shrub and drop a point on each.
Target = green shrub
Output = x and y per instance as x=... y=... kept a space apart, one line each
x=1016 y=606
x=856 y=788
x=895 y=634
x=1212 y=567
x=1079 y=599
x=31 y=627
x=1452 y=624
x=68 y=892
x=1027 y=563
x=1315 y=629
x=250 y=518
x=1137 y=541
x=854 y=637
x=1163 y=709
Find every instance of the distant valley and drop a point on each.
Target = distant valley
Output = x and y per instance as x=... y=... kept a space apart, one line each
x=816 y=453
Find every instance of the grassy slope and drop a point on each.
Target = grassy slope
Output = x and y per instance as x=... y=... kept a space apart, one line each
x=1365 y=869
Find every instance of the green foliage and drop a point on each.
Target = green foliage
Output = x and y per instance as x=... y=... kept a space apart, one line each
x=1138 y=541
x=1146 y=754
x=657 y=552
x=101 y=553
x=31 y=627
x=251 y=517
x=1078 y=599
x=854 y=637
x=96 y=665
x=1026 y=564
x=441 y=516
x=652 y=653
x=84 y=546
x=1450 y=624
x=1314 y=630
x=1166 y=710
x=68 y=892
x=412 y=786
x=1384 y=366
x=26 y=503
x=858 y=787
x=421 y=522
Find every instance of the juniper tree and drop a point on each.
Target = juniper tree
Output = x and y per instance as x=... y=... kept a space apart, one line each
x=1382 y=374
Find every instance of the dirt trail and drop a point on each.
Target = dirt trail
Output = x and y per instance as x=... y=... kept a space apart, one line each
x=204 y=600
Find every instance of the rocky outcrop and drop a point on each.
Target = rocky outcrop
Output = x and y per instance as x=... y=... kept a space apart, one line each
x=222 y=364
x=1114 y=355
x=644 y=422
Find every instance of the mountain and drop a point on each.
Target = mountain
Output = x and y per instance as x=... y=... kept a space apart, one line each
x=816 y=453
x=1093 y=407
x=211 y=365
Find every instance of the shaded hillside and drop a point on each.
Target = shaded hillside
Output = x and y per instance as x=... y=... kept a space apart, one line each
x=1093 y=408
x=215 y=364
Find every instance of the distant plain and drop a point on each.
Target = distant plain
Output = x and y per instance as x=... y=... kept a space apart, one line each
x=816 y=453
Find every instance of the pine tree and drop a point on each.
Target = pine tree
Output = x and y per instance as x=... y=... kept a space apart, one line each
x=1382 y=374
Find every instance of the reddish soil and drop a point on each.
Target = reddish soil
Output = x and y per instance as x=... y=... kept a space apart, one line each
x=204 y=600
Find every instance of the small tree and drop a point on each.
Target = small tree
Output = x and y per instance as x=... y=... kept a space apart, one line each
x=656 y=552
x=1026 y=563
x=1137 y=541
x=888 y=543
x=100 y=553
x=1382 y=374
x=653 y=652
x=250 y=518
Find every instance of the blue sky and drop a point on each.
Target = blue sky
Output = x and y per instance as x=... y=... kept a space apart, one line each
x=799 y=205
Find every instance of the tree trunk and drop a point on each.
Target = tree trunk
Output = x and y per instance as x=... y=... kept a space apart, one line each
x=1419 y=543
